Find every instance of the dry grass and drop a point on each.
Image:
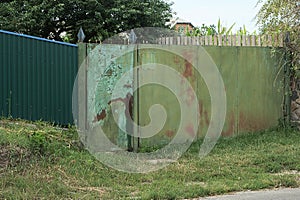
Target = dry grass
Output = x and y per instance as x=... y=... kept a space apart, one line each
x=39 y=161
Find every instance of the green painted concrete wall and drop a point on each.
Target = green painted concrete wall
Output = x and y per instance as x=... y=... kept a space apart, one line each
x=252 y=83
x=251 y=76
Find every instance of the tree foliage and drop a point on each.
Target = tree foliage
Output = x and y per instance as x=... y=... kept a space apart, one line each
x=282 y=16
x=99 y=19
x=211 y=30
x=203 y=30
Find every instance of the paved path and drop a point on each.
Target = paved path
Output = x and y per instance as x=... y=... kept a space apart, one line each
x=278 y=194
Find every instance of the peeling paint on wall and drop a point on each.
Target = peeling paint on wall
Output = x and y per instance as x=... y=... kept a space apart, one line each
x=106 y=65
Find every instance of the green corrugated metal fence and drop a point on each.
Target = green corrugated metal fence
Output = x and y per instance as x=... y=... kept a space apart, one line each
x=36 y=78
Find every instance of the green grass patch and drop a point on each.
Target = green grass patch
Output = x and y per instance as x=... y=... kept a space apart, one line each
x=41 y=161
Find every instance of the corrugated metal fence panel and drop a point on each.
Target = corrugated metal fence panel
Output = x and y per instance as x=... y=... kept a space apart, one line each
x=37 y=78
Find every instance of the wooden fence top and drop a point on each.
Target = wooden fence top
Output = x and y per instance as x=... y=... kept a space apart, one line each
x=226 y=40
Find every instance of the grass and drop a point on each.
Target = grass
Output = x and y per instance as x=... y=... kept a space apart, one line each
x=41 y=161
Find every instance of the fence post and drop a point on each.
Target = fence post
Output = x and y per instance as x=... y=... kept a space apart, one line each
x=82 y=88
x=287 y=89
x=133 y=141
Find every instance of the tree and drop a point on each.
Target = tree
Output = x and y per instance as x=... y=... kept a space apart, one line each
x=282 y=16
x=99 y=19
x=128 y=14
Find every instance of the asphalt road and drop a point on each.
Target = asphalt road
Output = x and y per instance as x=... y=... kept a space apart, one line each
x=278 y=194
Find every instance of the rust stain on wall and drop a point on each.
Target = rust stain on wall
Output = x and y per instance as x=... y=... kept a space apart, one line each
x=200 y=113
x=252 y=123
x=176 y=59
x=204 y=119
x=190 y=130
x=100 y=116
x=230 y=129
x=169 y=133
x=127 y=86
x=188 y=69
x=128 y=102
x=191 y=96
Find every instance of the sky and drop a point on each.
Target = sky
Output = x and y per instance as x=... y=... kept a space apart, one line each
x=198 y=12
